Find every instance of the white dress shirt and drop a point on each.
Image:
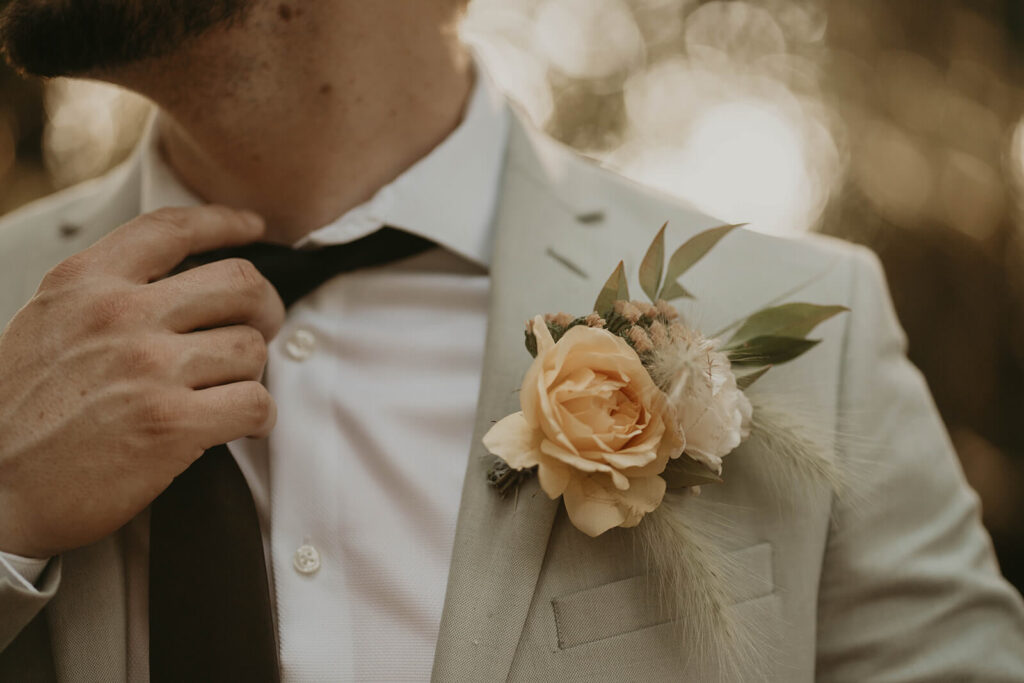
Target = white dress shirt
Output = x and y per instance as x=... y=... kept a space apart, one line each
x=375 y=375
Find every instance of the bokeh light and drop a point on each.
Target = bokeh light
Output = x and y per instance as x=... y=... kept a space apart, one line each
x=565 y=31
x=741 y=161
x=91 y=126
x=718 y=110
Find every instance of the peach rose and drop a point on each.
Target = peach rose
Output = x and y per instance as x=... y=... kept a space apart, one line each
x=595 y=424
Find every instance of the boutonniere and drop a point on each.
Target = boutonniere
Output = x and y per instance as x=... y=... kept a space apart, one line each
x=628 y=408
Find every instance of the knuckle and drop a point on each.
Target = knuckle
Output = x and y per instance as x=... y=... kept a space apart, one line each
x=261 y=405
x=48 y=298
x=251 y=345
x=158 y=416
x=110 y=310
x=170 y=223
x=169 y=215
x=68 y=270
x=244 y=276
x=140 y=359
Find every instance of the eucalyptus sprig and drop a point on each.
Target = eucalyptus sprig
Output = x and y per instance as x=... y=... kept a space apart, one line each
x=766 y=338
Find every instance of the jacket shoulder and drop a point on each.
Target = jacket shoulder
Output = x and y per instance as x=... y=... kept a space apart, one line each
x=37 y=236
x=70 y=207
x=601 y=197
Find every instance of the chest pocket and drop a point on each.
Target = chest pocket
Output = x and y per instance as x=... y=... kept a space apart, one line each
x=632 y=604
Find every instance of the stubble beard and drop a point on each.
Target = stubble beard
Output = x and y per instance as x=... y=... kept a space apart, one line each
x=88 y=37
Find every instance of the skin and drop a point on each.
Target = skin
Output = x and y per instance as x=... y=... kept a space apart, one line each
x=116 y=378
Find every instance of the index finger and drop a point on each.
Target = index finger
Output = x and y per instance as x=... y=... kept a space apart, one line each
x=148 y=247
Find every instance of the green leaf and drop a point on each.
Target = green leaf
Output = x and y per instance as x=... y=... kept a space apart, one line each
x=692 y=251
x=674 y=290
x=531 y=343
x=746 y=380
x=787 y=320
x=684 y=471
x=623 y=294
x=653 y=265
x=769 y=350
x=615 y=289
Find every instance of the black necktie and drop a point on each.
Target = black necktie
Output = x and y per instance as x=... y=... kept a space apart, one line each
x=210 y=616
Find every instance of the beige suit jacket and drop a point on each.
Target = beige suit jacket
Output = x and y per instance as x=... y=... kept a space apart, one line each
x=895 y=582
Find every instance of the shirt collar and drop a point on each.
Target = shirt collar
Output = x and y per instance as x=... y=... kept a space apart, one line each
x=448 y=196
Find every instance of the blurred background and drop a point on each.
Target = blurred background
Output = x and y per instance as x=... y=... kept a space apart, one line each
x=893 y=123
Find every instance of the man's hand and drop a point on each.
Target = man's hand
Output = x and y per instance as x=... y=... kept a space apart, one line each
x=114 y=379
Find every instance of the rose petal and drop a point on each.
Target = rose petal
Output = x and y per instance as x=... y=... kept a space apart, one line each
x=572 y=459
x=513 y=440
x=585 y=465
x=578 y=382
x=620 y=480
x=544 y=339
x=531 y=390
x=603 y=428
x=654 y=468
x=624 y=461
x=644 y=495
x=577 y=433
x=591 y=508
x=553 y=476
x=553 y=423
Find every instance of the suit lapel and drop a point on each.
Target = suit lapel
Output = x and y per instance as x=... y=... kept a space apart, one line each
x=542 y=261
x=500 y=542
x=553 y=250
x=88 y=615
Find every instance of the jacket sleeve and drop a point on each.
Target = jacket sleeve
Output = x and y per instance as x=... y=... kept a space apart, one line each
x=910 y=589
x=20 y=601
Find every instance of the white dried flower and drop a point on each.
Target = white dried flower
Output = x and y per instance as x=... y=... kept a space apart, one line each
x=714 y=415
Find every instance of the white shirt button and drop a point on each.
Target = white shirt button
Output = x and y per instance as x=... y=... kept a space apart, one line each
x=307 y=559
x=300 y=345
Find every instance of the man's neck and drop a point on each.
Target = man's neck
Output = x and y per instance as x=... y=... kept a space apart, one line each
x=301 y=115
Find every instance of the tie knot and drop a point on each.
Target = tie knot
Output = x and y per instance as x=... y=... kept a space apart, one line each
x=297 y=272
